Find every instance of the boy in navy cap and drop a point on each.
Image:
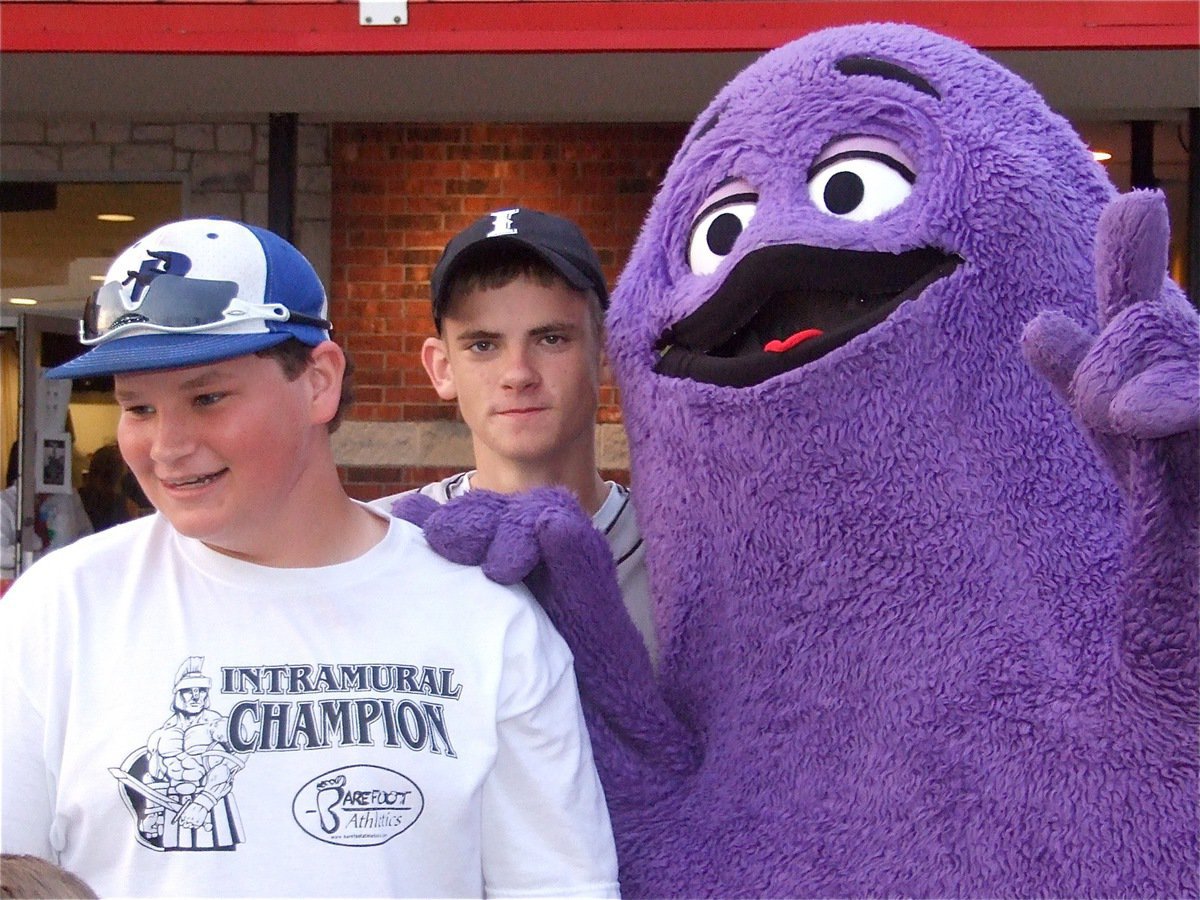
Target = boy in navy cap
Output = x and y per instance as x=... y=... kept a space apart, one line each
x=518 y=302
x=267 y=687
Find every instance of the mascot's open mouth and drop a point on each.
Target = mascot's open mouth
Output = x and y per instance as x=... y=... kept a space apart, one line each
x=783 y=307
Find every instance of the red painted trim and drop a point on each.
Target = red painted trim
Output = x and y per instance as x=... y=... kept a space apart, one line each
x=493 y=26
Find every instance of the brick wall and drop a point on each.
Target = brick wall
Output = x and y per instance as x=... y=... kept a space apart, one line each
x=400 y=192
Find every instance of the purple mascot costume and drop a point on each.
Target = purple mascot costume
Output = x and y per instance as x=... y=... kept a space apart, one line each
x=913 y=412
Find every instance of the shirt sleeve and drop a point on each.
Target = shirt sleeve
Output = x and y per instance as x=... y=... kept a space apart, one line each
x=546 y=830
x=26 y=783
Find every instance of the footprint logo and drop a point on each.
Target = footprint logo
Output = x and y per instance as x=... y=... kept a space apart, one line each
x=329 y=795
x=358 y=806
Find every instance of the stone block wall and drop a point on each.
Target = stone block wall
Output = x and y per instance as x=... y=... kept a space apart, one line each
x=222 y=165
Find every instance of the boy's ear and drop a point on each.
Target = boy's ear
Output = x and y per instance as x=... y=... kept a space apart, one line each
x=436 y=361
x=325 y=371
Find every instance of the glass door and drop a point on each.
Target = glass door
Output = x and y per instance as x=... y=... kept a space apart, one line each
x=56 y=242
x=49 y=512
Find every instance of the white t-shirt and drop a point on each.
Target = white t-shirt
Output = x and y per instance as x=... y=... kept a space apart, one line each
x=616 y=518
x=179 y=722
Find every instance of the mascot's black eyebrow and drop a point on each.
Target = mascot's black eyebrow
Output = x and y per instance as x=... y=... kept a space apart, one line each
x=881 y=68
x=848 y=65
x=708 y=126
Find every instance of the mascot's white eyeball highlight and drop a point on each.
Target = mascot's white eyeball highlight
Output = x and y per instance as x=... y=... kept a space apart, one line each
x=723 y=216
x=860 y=178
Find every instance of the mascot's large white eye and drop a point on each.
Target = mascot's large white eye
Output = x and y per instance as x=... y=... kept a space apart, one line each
x=721 y=220
x=860 y=179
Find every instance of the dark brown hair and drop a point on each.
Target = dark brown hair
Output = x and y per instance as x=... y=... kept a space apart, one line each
x=294 y=357
x=491 y=268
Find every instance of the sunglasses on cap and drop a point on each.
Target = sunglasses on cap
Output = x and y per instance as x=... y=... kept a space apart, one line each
x=171 y=303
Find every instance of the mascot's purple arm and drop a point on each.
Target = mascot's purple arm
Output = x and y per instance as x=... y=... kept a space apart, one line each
x=544 y=539
x=927 y=612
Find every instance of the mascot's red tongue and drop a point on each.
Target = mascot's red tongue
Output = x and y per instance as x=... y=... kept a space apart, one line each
x=797 y=338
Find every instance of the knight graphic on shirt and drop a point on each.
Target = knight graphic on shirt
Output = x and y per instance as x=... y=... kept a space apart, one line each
x=179 y=786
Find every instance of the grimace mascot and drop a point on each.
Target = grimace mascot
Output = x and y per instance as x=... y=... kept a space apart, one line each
x=913 y=420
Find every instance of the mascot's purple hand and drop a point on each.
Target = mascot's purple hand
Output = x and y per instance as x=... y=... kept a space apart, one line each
x=515 y=550
x=1159 y=402
x=498 y=532
x=414 y=507
x=1136 y=390
x=470 y=530
x=1138 y=379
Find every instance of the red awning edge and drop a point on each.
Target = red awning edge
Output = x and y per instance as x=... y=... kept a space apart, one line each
x=577 y=26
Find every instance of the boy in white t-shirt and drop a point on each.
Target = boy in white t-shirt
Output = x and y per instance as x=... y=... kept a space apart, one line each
x=268 y=688
x=518 y=302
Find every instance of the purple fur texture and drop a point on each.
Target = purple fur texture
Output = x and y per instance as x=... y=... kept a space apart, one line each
x=927 y=647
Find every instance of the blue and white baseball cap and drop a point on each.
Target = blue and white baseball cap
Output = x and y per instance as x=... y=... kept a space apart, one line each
x=195 y=292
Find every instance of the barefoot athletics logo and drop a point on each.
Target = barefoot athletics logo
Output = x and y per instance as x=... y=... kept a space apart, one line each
x=358 y=806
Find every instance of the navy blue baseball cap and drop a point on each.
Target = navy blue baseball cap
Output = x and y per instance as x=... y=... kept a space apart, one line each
x=558 y=241
x=195 y=292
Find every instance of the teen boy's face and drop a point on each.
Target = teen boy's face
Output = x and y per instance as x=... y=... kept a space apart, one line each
x=220 y=449
x=523 y=361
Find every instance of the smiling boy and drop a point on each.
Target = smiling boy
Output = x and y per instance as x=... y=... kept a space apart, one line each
x=350 y=714
x=518 y=302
